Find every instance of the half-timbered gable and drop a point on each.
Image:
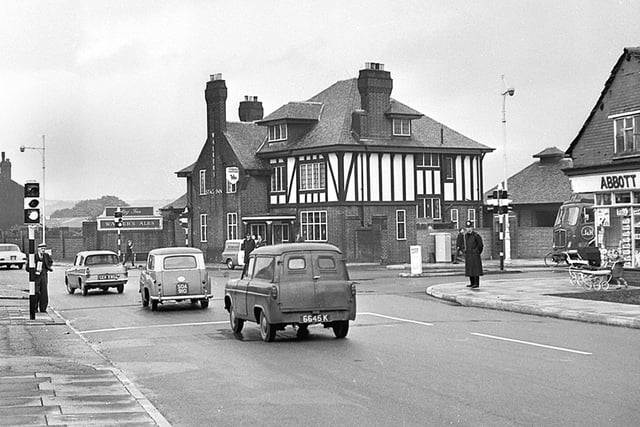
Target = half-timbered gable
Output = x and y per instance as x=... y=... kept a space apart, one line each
x=353 y=149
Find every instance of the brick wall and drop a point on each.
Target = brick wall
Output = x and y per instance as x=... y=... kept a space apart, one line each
x=532 y=242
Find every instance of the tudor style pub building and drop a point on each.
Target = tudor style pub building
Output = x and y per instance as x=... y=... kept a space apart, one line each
x=350 y=166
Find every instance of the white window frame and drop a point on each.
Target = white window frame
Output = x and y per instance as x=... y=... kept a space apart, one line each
x=471 y=216
x=454 y=214
x=203 y=228
x=203 y=182
x=313 y=226
x=428 y=205
x=401 y=127
x=312 y=176
x=278 y=132
x=232 y=188
x=629 y=129
x=232 y=225
x=401 y=224
x=278 y=179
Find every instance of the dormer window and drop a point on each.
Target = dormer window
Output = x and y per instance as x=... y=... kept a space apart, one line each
x=278 y=132
x=401 y=127
x=627 y=134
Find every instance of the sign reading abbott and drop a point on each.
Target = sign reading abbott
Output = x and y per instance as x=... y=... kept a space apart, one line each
x=605 y=182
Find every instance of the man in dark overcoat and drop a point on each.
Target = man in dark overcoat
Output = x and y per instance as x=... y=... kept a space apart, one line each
x=248 y=245
x=42 y=268
x=472 y=261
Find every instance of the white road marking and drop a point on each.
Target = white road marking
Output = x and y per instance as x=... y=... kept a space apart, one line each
x=395 y=318
x=129 y=328
x=531 y=343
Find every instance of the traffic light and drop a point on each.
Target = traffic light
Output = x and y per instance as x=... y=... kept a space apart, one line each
x=184 y=218
x=32 y=203
x=117 y=218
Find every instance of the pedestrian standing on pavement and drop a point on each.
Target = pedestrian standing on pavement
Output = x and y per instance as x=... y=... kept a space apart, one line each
x=129 y=253
x=42 y=268
x=247 y=246
x=472 y=261
x=459 y=246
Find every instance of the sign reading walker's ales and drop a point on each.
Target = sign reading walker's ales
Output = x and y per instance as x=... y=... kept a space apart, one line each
x=133 y=218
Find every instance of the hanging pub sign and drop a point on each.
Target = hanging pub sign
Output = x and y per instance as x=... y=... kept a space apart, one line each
x=233 y=175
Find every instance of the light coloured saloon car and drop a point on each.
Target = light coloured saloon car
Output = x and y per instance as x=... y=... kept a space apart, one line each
x=175 y=274
x=298 y=284
x=96 y=270
x=10 y=255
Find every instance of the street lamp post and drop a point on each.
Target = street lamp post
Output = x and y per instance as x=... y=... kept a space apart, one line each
x=43 y=187
x=507 y=238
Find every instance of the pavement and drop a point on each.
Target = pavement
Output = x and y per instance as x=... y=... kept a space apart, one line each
x=68 y=382
x=538 y=297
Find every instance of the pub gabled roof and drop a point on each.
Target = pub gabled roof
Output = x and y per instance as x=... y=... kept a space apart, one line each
x=333 y=128
x=627 y=52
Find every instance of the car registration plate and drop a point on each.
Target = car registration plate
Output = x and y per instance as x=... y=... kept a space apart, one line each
x=314 y=318
x=107 y=276
x=182 y=288
x=13 y=257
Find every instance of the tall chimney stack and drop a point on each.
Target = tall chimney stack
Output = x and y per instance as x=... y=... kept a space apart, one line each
x=375 y=86
x=5 y=168
x=216 y=96
x=250 y=109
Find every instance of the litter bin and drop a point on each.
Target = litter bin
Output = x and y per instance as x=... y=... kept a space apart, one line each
x=443 y=247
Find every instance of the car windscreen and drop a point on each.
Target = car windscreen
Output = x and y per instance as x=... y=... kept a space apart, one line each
x=101 y=259
x=9 y=248
x=178 y=262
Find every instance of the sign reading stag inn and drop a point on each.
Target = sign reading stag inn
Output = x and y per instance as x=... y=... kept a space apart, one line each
x=133 y=219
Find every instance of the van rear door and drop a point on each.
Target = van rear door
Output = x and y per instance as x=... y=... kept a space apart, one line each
x=331 y=281
x=180 y=276
x=297 y=291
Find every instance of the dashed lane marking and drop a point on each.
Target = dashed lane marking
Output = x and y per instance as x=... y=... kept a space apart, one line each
x=395 y=318
x=531 y=343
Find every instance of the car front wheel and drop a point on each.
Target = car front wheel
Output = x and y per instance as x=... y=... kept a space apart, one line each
x=230 y=264
x=69 y=288
x=267 y=331
x=120 y=288
x=341 y=328
x=154 y=305
x=204 y=303
x=85 y=291
x=236 y=323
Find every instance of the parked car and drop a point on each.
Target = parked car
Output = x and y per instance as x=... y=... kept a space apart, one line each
x=96 y=270
x=298 y=284
x=232 y=255
x=175 y=274
x=11 y=254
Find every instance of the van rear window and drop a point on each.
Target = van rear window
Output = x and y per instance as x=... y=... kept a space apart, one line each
x=296 y=264
x=326 y=263
x=180 y=261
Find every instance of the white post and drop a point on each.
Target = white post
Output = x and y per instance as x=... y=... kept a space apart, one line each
x=507 y=236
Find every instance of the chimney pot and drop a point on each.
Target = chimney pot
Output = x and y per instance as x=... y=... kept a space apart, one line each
x=214 y=77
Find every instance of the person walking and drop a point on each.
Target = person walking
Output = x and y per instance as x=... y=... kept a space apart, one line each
x=43 y=263
x=129 y=253
x=248 y=245
x=459 y=246
x=472 y=261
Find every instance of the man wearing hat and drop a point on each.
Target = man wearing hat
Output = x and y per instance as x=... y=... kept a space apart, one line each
x=472 y=262
x=43 y=267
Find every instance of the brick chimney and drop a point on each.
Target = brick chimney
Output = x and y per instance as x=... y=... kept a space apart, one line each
x=216 y=96
x=375 y=85
x=250 y=109
x=5 y=169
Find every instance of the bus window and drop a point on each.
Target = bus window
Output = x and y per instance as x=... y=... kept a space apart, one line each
x=588 y=215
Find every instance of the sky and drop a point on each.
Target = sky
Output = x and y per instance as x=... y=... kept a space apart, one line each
x=117 y=87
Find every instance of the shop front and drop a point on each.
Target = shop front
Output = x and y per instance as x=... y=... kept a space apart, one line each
x=616 y=211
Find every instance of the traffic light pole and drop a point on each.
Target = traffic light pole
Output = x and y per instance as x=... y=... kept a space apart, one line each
x=32 y=272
